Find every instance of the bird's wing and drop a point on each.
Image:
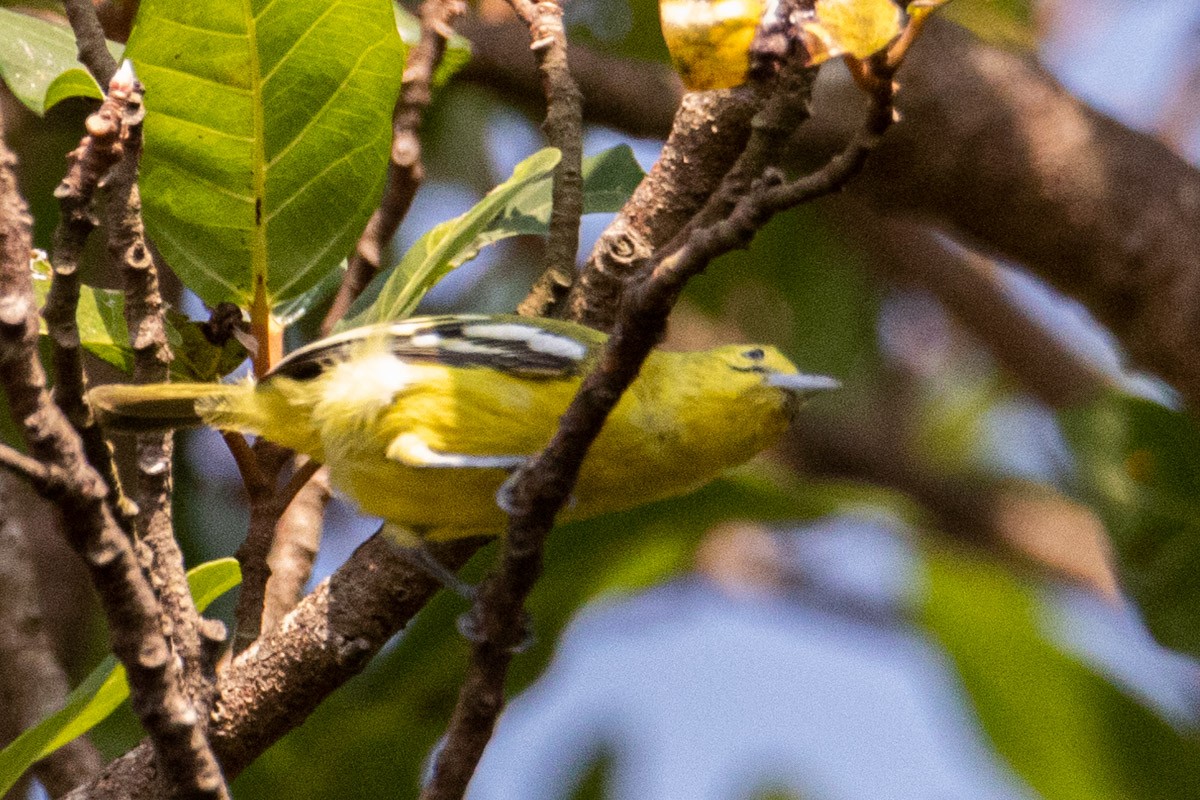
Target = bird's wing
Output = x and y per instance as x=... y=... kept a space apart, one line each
x=527 y=347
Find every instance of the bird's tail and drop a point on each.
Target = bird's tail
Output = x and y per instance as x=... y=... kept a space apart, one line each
x=162 y=406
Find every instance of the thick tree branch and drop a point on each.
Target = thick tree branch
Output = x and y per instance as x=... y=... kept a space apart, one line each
x=328 y=638
x=405 y=172
x=183 y=755
x=994 y=151
x=564 y=129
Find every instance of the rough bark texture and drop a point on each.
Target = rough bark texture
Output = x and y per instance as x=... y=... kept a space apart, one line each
x=991 y=149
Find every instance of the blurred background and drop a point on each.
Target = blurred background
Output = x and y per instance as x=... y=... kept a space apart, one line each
x=907 y=599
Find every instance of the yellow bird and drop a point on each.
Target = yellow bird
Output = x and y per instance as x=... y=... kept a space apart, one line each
x=420 y=422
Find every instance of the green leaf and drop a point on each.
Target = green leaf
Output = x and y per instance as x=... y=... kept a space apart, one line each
x=1138 y=463
x=196 y=358
x=458 y=48
x=395 y=293
x=103 y=333
x=609 y=179
x=268 y=128
x=1067 y=731
x=100 y=317
x=104 y=689
x=37 y=62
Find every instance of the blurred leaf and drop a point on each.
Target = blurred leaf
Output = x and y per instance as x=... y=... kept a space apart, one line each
x=860 y=28
x=593 y=783
x=100 y=317
x=1138 y=463
x=37 y=62
x=1004 y=22
x=268 y=128
x=800 y=287
x=103 y=333
x=196 y=358
x=395 y=293
x=1069 y=733
x=919 y=9
x=400 y=706
x=104 y=689
x=458 y=48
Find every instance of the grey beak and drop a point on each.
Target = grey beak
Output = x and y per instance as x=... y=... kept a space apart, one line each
x=802 y=384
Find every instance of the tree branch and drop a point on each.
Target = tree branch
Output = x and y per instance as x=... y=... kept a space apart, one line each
x=133 y=613
x=994 y=151
x=328 y=638
x=89 y=40
x=542 y=486
x=564 y=129
x=297 y=541
x=97 y=153
x=146 y=321
x=32 y=681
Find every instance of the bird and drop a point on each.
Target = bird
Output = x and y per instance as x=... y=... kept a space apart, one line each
x=421 y=421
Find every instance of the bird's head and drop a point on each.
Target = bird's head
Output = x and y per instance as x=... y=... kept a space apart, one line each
x=763 y=371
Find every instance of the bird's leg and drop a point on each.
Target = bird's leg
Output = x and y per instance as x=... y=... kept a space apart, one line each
x=416 y=552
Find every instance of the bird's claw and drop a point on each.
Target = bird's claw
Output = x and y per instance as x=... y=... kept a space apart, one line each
x=469 y=626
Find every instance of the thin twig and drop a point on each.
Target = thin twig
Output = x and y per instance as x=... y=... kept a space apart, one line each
x=89 y=40
x=252 y=555
x=88 y=164
x=32 y=679
x=564 y=129
x=243 y=458
x=297 y=541
x=184 y=757
x=301 y=476
x=45 y=478
x=405 y=171
x=542 y=487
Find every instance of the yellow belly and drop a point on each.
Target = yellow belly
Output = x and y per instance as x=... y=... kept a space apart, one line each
x=645 y=452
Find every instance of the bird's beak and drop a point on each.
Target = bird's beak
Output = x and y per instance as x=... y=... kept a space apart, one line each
x=800 y=384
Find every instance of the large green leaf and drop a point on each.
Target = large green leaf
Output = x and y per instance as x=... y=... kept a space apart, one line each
x=395 y=293
x=104 y=689
x=267 y=130
x=1138 y=463
x=1071 y=734
x=37 y=62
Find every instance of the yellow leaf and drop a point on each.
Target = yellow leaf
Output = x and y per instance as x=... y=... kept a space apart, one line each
x=709 y=40
x=919 y=9
x=859 y=28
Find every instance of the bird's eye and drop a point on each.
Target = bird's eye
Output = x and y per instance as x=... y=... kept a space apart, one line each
x=755 y=354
